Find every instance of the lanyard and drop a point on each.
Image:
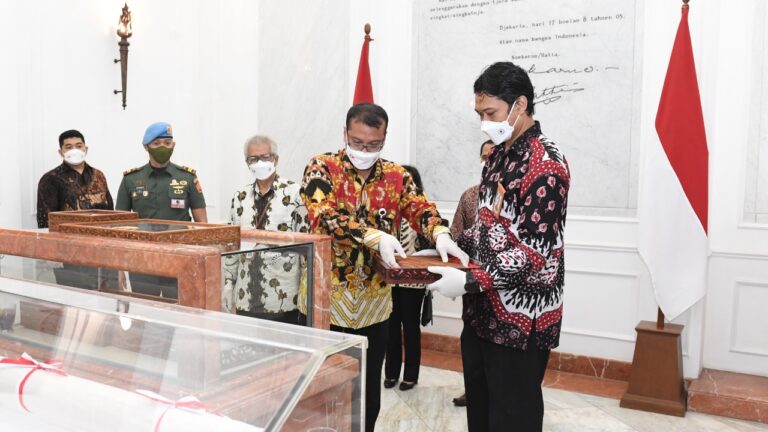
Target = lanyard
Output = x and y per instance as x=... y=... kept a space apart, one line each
x=261 y=205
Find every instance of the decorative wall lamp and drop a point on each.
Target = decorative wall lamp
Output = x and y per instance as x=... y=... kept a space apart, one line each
x=124 y=31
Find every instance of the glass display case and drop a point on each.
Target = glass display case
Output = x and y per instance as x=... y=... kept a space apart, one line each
x=74 y=360
x=267 y=275
x=260 y=280
x=269 y=280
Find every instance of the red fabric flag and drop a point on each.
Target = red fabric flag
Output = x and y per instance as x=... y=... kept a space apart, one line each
x=680 y=123
x=672 y=211
x=363 y=87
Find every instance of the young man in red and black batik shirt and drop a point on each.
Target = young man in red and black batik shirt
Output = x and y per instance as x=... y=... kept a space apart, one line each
x=513 y=302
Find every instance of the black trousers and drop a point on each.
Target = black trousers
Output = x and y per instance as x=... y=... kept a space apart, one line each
x=290 y=317
x=154 y=285
x=377 y=345
x=503 y=385
x=90 y=278
x=406 y=312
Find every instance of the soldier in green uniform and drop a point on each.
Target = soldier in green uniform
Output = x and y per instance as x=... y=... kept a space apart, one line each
x=160 y=190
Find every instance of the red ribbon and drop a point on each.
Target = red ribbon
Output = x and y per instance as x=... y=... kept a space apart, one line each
x=27 y=361
x=188 y=403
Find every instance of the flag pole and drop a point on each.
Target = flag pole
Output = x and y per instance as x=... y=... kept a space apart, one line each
x=363 y=87
x=660 y=320
x=660 y=314
x=656 y=381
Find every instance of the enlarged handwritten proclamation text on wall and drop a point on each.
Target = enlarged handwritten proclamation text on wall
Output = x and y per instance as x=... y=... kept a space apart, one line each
x=580 y=55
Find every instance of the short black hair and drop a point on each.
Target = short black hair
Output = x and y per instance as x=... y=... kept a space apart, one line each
x=72 y=133
x=506 y=81
x=482 y=146
x=370 y=114
x=415 y=176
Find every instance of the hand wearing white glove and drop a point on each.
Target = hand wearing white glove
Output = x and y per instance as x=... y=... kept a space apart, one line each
x=388 y=247
x=451 y=283
x=446 y=246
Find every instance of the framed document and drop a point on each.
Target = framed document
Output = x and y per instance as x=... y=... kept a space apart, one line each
x=74 y=216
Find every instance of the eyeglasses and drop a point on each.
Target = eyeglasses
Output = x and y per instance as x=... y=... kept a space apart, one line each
x=267 y=157
x=372 y=146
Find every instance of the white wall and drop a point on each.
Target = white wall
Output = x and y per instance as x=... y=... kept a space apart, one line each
x=303 y=80
x=10 y=194
x=221 y=74
x=191 y=63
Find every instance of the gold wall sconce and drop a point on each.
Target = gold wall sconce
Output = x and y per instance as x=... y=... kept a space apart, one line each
x=125 y=31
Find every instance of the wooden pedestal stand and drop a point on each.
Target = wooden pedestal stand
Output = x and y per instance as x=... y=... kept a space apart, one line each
x=656 y=382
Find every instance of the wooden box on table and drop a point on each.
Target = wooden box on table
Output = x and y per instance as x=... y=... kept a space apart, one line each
x=164 y=231
x=55 y=219
x=413 y=270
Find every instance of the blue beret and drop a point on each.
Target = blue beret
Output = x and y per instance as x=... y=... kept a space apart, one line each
x=157 y=130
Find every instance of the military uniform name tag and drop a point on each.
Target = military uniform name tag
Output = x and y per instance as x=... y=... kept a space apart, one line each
x=139 y=191
x=178 y=203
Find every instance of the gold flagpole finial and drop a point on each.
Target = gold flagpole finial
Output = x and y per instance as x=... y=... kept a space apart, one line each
x=367 y=29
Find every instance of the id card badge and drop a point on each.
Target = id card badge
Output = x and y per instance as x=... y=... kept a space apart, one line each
x=178 y=203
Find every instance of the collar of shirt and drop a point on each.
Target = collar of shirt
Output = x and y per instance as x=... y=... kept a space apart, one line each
x=276 y=184
x=65 y=168
x=66 y=171
x=523 y=141
x=170 y=170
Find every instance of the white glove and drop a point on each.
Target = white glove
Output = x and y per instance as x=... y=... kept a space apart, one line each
x=426 y=252
x=451 y=283
x=388 y=247
x=446 y=246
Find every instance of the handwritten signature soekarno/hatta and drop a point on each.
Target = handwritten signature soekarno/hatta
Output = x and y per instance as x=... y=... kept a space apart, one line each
x=555 y=92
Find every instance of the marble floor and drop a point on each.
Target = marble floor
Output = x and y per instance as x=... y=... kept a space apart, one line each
x=428 y=407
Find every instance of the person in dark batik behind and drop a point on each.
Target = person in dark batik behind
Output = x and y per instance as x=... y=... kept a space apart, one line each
x=464 y=218
x=404 y=322
x=513 y=303
x=73 y=185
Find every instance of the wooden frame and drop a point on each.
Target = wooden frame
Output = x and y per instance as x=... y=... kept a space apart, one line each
x=322 y=264
x=78 y=216
x=202 y=233
x=196 y=268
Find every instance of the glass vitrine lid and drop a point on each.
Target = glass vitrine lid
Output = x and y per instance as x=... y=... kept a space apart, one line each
x=144 y=358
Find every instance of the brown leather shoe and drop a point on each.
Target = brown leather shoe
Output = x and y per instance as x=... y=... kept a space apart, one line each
x=460 y=401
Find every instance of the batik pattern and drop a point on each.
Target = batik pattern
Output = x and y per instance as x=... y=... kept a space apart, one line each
x=342 y=205
x=266 y=282
x=63 y=189
x=518 y=236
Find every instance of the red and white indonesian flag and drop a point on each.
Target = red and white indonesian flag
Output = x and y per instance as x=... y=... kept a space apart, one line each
x=674 y=188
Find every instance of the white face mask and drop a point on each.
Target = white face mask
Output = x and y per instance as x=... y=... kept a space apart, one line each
x=362 y=160
x=499 y=132
x=74 y=157
x=261 y=170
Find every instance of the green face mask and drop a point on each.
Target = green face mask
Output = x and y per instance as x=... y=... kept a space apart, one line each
x=161 y=154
